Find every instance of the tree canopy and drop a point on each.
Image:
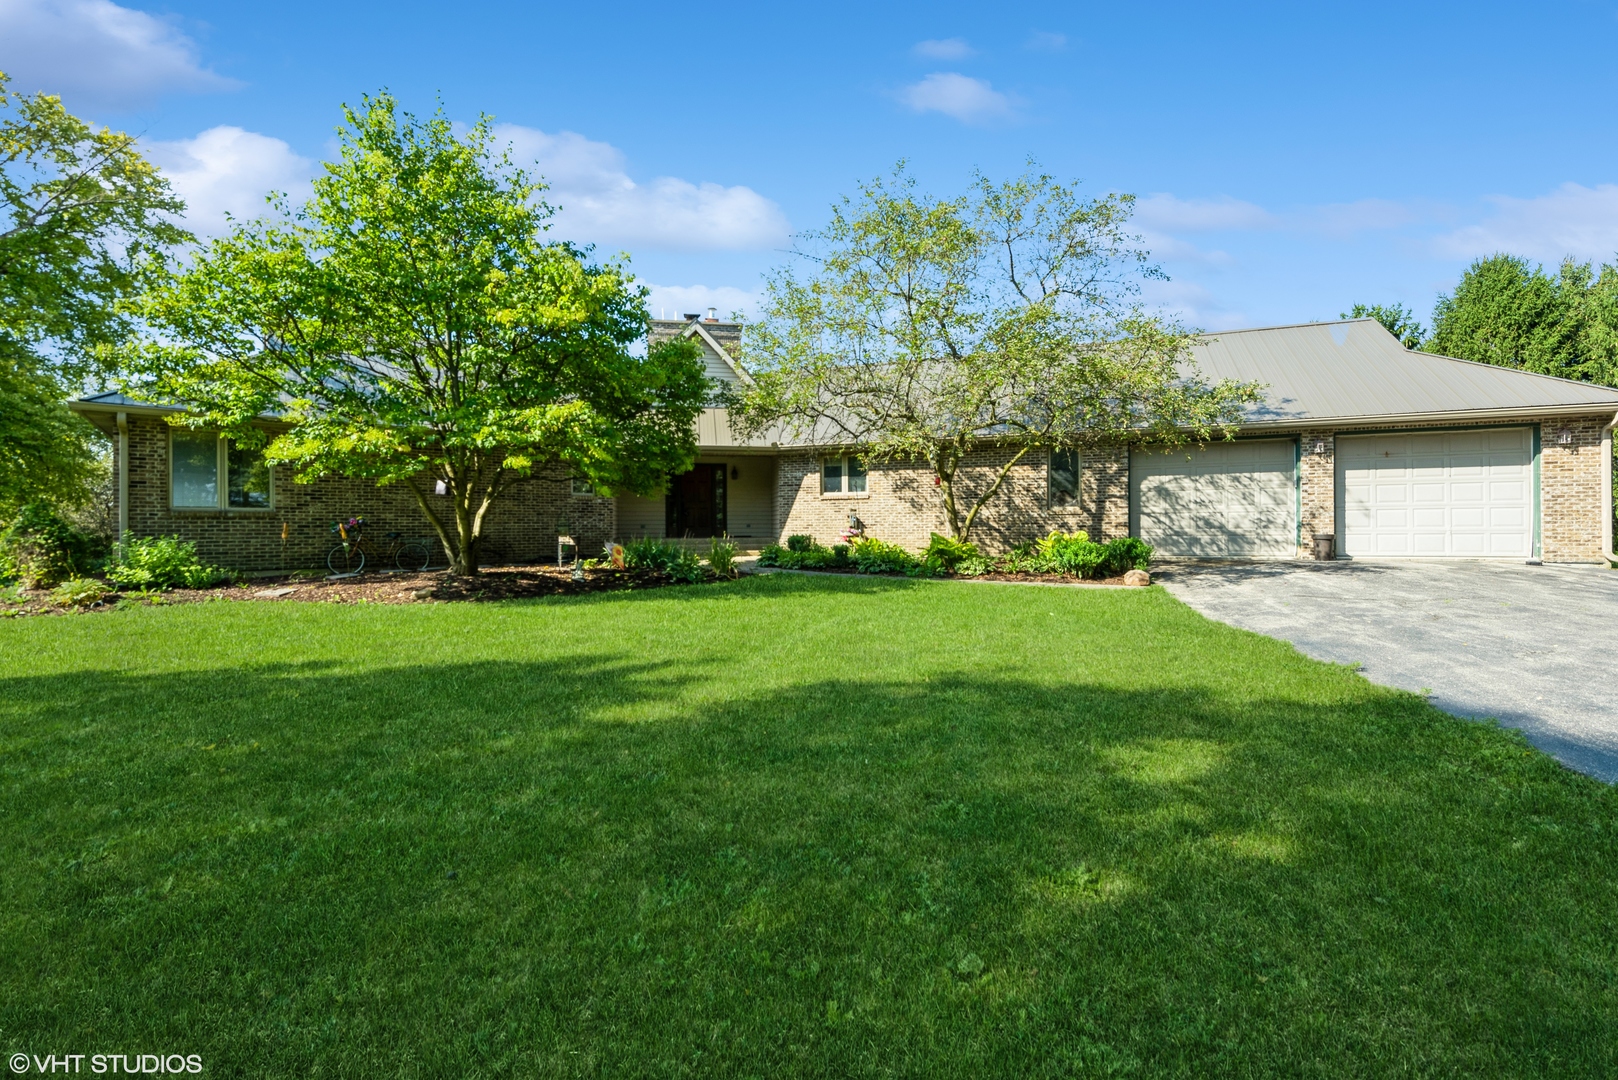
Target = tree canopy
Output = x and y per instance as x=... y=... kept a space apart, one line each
x=411 y=324
x=928 y=328
x=1398 y=320
x=1508 y=311
x=80 y=210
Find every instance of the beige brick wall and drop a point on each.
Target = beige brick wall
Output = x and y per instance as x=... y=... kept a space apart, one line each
x=1570 y=485
x=1317 y=486
x=1570 y=489
x=903 y=505
x=522 y=525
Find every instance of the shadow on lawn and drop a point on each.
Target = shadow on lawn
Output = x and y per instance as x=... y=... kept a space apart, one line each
x=604 y=867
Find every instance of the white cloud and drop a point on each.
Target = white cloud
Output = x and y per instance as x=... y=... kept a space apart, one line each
x=600 y=204
x=1571 y=220
x=1045 y=41
x=1166 y=212
x=969 y=100
x=1345 y=219
x=228 y=170
x=943 y=49
x=1192 y=304
x=97 y=54
x=675 y=301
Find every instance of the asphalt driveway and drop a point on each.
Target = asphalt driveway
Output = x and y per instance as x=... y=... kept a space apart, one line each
x=1532 y=646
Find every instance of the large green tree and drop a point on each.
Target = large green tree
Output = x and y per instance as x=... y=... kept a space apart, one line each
x=930 y=328
x=80 y=211
x=1506 y=310
x=412 y=324
x=1397 y=319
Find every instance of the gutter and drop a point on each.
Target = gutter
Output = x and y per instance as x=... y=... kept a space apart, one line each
x=123 y=476
x=1521 y=413
x=1606 y=492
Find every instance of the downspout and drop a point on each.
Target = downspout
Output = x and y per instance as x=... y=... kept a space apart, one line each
x=123 y=475
x=1606 y=492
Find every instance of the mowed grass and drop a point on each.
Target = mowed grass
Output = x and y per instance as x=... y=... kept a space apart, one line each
x=782 y=827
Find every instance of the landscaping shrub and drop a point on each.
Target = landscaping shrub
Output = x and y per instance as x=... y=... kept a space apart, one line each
x=80 y=592
x=873 y=556
x=650 y=553
x=722 y=558
x=664 y=557
x=804 y=553
x=1070 y=553
x=1124 y=554
x=946 y=553
x=162 y=562
x=40 y=548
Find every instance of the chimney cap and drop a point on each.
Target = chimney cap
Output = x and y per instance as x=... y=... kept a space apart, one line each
x=692 y=315
x=713 y=314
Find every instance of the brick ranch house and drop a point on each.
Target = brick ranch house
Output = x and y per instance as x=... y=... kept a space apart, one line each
x=1393 y=453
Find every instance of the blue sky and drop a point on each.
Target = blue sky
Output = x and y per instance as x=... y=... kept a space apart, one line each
x=1290 y=159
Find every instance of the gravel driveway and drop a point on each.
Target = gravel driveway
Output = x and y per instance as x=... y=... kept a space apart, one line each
x=1532 y=646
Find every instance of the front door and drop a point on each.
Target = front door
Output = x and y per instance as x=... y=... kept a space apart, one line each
x=696 y=503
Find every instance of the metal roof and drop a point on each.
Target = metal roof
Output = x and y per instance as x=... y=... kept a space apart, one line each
x=1354 y=370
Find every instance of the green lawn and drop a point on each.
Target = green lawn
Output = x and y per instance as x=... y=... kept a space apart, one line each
x=787 y=826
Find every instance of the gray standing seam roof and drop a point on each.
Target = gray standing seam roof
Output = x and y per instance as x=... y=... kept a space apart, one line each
x=1355 y=370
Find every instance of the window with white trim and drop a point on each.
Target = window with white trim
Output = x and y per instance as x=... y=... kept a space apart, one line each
x=843 y=475
x=1063 y=474
x=208 y=472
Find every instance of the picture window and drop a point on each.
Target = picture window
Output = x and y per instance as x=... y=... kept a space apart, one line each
x=208 y=472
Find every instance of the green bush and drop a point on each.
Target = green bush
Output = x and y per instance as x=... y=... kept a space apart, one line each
x=650 y=553
x=687 y=569
x=80 y=592
x=804 y=553
x=40 y=548
x=722 y=558
x=1124 y=554
x=664 y=557
x=162 y=562
x=873 y=556
x=1074 y=554
x=945 y=553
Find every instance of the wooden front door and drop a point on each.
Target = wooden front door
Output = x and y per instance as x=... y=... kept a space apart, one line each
x=696 y=503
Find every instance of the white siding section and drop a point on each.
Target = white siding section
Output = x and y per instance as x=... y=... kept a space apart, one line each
x=1236 y=499
x=751 y=506
x=1458 y=494
x=714 y=365
x=749 y=502
x=639 y=516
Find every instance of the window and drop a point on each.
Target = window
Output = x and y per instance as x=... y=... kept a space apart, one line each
x=842 y=476
x=582 y=487
x=1064 y=478
x=199 y=460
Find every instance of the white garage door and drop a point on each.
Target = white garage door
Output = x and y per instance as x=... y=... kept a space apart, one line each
x=1235 y=498
x=1463 y=494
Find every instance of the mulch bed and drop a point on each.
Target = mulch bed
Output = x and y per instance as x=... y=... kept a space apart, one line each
x=498 y=583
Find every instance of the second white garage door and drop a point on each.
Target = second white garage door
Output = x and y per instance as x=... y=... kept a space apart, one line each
x=1230 y=499
x=1461 y=494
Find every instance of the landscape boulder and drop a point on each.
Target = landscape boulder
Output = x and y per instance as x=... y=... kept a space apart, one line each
x=1137 y=577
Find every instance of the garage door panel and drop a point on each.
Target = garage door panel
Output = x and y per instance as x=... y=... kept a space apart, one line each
x=1436 y=494
x=1230 y=499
